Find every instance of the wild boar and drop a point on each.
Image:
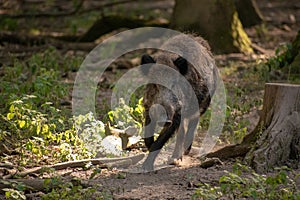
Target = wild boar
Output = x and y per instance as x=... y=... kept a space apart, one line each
x=164 y=105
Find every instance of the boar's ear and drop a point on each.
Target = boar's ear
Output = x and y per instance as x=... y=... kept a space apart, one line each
x=146 y=59
x=182 y=65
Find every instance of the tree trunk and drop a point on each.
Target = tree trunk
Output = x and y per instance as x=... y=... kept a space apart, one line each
x=217 y=21
x=249 y=13
x=279 y=127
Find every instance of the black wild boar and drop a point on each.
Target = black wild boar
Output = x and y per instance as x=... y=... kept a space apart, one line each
x=194 y=61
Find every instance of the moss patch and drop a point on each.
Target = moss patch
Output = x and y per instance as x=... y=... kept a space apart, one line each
x=240 y=38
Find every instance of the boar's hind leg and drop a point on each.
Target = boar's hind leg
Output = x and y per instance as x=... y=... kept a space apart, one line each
x=190 y=135
x=179 y=146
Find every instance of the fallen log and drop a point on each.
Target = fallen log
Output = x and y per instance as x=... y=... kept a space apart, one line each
x=111 y=23
x=102 y=162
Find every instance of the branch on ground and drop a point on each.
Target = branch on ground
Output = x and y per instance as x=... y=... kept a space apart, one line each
x=102 y=162
x=110 y=23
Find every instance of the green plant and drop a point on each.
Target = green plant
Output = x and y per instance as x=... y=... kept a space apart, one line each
x=242 y=182
x=41 y=132
x=74 y=190
x=14 y=194
x=40 y=75
x=90 y=130
x=282 y=57
x=15 y=190
x=26 y=121
x=9 y=24
x=279 y=67
x=31 y=92
x=124 y=116
x=207 y=191
x=34 y=77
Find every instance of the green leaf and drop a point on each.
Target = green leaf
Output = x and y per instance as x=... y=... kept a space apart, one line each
x=224 y=179
x=45 y=128
x=10 y=116
x=7 y=193
x=38 y=129
x=21 y=123
x=12 y=108
x=29 y=145
x=110 y=115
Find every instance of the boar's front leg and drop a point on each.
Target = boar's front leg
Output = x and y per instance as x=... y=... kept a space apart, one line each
x=149 y=130
x=156 y=146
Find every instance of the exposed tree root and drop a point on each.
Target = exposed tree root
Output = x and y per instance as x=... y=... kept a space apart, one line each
x=232 y=151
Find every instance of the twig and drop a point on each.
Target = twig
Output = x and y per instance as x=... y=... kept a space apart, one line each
x=260 y=49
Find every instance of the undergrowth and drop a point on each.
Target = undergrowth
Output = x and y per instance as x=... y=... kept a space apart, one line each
x=33 y=122
x=35 y=126
x=244 y=183
x=246 y=97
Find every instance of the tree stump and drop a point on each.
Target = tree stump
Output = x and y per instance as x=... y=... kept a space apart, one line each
x=279 y=129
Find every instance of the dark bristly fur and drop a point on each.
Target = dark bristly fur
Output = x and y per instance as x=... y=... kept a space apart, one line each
x=201 y=76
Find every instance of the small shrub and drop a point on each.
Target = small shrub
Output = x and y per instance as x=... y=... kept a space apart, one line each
x=282 y=58
x=43 y=132
x=24 y=119
x=125 y=116
x=14 y=194
x=90 y=130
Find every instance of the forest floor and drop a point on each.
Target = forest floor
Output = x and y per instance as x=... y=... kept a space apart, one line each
x=244 y=83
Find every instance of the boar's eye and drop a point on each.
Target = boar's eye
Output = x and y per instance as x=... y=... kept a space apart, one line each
x=182 y=65
x=146 y=59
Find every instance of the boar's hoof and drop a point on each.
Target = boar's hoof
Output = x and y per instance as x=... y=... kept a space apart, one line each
x=175 y=161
